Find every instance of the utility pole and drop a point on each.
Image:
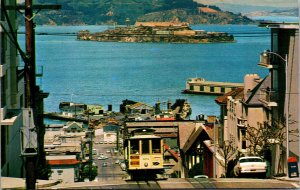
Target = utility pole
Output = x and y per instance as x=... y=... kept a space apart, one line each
x=33 y=95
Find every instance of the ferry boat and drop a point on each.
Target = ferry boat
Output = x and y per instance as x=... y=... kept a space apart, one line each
x=201 y=86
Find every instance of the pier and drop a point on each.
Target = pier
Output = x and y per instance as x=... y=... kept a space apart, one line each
x=201 y=86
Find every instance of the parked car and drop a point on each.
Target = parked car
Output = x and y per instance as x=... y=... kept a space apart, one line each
x=251 y=165
x=123 y=166
x=200 y=176
x=104 y=164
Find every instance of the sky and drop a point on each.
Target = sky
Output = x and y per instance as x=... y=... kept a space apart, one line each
x=271 y=3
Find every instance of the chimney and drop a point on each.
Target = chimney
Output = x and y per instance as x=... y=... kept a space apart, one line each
x=250 y=81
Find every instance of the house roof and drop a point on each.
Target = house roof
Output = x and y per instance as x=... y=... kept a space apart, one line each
x=139 y=104
x=185 y=132
x=197 y=132
x=166 y=119
x=237 y=93
x=253 y=99
x=192 y=138
x=111 y=128
x=172 y=152
x=63 y=162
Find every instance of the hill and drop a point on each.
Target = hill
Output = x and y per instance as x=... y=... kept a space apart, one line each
x=293 y=12
x=91 y=12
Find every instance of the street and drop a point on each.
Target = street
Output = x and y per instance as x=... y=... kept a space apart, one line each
x=189 y=183
x=108 y=169
x=111 y=176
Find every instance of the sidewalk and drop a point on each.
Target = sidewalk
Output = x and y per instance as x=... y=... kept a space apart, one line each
x=295 y=181
x=20 y=183
x=285 y=178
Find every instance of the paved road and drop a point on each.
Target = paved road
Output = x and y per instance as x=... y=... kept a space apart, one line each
x=112 y=171
x=110 y=177
x=174 y=183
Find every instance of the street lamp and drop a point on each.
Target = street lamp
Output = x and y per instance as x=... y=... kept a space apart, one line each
x=265 y=54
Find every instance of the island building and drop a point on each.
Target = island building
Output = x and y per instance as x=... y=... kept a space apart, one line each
x=168 y=32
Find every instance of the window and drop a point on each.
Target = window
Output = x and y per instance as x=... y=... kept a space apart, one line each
x=3 y=49
x=21 y=100
x=156 y=146
x=59 y=172
x=244 y=144
x=3 y=91
x=145 y=146
x=201 y=88
x=243 y=133
x=191 y=87
x=212 y=89
x=222 y=89
x=134 y=146
x=3 y=145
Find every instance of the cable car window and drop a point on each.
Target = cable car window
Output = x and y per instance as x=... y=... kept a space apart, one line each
x=156 y=146
x=134 y=146
x=145 y=147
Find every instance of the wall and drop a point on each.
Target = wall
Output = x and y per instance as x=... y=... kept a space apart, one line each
x=63 y=173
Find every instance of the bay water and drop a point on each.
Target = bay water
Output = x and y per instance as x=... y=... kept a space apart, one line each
x=106 y=73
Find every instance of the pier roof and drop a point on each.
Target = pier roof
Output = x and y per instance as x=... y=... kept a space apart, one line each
x=201 y=81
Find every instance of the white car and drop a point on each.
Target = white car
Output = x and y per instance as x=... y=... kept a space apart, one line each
x=250 y=165
x=102 y=157
x=201 y=176
x=123 y=166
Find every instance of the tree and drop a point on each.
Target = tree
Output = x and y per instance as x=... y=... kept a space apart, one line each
x=228 y=151
x=85 y=172
x=264 y=135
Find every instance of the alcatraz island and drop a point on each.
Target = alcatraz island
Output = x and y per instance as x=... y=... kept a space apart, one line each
x=168 y=32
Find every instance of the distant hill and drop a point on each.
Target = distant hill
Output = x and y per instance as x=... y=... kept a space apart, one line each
x=91 y=12
x=278 y=12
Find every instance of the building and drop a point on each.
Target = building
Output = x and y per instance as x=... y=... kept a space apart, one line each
x=65 y=168
x=110 y=133
x=201 y=86
x=162 y=24
x=230 y=106
x=64 y=139
x=257 y=112
x=12 y=96
x=73 y=127
x=139 y=107
x=282 y=97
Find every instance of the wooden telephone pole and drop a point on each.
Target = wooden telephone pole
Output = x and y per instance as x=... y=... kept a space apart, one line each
x=33 y=96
